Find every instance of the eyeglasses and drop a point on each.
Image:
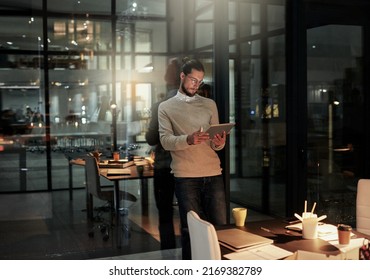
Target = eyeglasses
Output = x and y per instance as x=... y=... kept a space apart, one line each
x=195 y=81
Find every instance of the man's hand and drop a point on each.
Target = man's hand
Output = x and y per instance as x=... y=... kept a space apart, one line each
x=197 y=137
x=219 y=140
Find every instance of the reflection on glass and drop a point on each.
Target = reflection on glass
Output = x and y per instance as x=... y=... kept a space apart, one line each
x=25 y=34
x=87 y=35
x=335 y=135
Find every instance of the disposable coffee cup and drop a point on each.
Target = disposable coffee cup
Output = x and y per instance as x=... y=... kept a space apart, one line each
x=310 y=227
x=240 y=215
x=344 y=234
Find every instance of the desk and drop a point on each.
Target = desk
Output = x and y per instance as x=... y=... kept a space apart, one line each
x=147 y=173
x=291 y=241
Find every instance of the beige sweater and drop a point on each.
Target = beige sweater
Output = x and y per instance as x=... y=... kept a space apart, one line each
x=179 y=117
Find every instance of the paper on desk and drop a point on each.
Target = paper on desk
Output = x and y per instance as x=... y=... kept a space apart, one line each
x=298 y=227
x=306 y=255
x=329 y=232
x=267 y=252
x=354 y=243
x=118 y=171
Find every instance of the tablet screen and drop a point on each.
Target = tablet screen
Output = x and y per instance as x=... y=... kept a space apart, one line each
x=219 y=128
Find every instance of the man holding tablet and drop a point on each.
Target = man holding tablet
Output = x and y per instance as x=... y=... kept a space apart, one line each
x=183 y=122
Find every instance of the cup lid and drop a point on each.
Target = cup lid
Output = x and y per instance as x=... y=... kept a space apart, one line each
x=344 y=227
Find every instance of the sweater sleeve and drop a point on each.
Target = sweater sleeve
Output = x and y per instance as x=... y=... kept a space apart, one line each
x=168 y=139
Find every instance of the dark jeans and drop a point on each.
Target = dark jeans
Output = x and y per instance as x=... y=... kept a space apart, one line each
x=205 y=196
x=164 y=187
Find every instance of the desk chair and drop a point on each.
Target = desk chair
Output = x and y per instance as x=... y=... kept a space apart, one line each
x=363 y=206
x=106 y=193
x=203 y=239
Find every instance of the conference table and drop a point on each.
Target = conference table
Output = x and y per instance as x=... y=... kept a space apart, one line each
x=289 y=240
x=138 y=170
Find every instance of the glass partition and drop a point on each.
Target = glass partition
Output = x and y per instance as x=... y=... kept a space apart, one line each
x=22 y=99
x=336 y=117
x=79 y=7
x=29 y=37
x=259 y=177
x=88 y=69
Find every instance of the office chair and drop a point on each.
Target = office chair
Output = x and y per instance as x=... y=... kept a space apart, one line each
x=203 y=239
x=363 y=206
x=106 y=193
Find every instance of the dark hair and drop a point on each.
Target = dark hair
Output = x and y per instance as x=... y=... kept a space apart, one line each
x=190 y=64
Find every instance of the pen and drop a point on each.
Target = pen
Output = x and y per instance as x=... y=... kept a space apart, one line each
x=266 y=229
x=291 y=233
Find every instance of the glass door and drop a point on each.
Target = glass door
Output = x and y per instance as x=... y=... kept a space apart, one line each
x=335 y=112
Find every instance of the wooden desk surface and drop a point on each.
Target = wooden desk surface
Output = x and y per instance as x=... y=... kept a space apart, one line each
x=288 y=240
x=148 y=172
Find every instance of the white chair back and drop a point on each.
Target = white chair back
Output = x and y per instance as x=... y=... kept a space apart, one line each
x=203 y=239
x=363 y=206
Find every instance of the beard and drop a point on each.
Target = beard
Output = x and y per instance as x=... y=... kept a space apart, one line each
x=184 y=90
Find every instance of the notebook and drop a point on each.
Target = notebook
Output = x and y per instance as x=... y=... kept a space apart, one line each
x=114 y=164
x=298 y=226
x=118 y=171
x=239 y=240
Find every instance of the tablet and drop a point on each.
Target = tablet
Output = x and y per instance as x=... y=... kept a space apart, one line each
x=219 y=128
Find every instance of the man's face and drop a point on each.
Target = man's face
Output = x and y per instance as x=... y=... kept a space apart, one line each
x=191 y=82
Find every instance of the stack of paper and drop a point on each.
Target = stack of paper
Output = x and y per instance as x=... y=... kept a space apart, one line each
x=119 y=164
x=118 y=171
x=266 y=252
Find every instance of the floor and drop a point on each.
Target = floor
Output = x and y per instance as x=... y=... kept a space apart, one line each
x=50 y=226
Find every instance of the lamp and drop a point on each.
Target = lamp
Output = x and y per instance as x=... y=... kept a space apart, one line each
x=113 y=107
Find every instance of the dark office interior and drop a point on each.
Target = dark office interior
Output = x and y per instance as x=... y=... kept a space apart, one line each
x=81 y=76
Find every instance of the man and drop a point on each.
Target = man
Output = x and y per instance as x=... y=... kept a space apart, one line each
x=195 y=164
